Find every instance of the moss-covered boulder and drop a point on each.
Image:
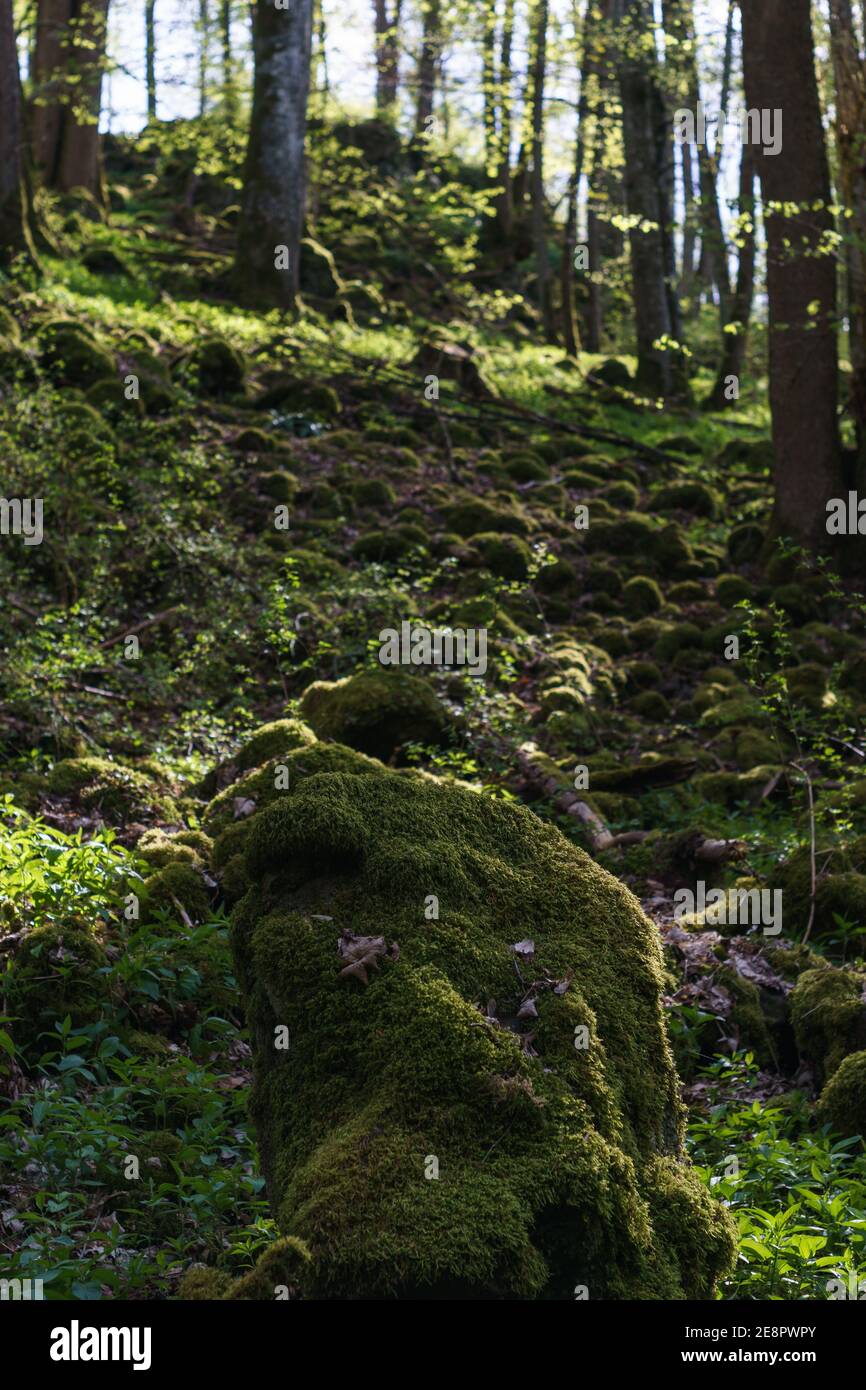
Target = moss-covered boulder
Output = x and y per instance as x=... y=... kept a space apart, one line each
x=478 y=1097
x=70 y=354
x=842 y=1103
x=268 y=742
x=54 y=974
x=377 y=712
x=829 y=1016
x=118 y=793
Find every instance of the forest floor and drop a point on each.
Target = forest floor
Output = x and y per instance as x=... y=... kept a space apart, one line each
x=609 y=550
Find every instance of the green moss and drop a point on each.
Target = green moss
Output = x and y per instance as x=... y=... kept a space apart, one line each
x=689 y=591
x=688 y=495
x=201 y=1283
x=159 y=849
x=622 y=494
x=474 y=515
x=215 y=368
x=279 y=1272
x=177 y=888
x=53 y=973
x=746 y=542
x=842 y=1103
x=746 y=1018
x=506 y=556
x=731 y=589
x=552 y=1160
x=71 y=356
x=642 y=596
x=651 y=705
x=631 y=534
x=377 y=712
x=527 y=468
x=373 y=492
x=828 y=1016
x=558 y=578
x=119 y=793
x=391 y=545
x=755 y=748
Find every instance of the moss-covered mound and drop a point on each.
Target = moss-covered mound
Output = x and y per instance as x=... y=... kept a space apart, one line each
x=463 y=1082
x=376 y=711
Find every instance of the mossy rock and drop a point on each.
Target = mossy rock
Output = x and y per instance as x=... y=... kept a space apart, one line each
x=687 y=495
x=178 y=889
x=603 y=579
x=473 y=516
x=631 y=534
x=842 y=1103
x=158 y=849
x=611 y=373
x=828 y=1016
x=508 y=557
x=732 y=589
x=386 y=547
x=622 y=494
x=377 y=712
x=373 y=492
x=688 y=591
x=119 y=793
x=418 y=1147
x=746 y=542
x=268 y=742
x=216 y=368
x=71 y=356
x=53 y=973
x=642 y=596
x=527 y=468
x=651 y=704
x=560 y=577
x=291 y=395
x=255 y=441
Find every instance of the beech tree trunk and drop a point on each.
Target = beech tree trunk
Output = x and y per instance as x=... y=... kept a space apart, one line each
x=150 y=56
x=428 y=62
x=660 y=370
x=69 y=60
x=539 y=220
x=570 y=332
x=736 y=334
x=779 y=71
x=274 y=196
x=387 y=55
x=850 y=77
x=15 y=239
x=505 y=202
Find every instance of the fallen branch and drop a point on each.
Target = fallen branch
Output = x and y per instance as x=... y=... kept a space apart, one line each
x=140 y=627
x=601 y=838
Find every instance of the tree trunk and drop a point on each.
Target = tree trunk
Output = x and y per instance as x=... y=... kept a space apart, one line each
x=680 y=30
x=203 y=53
x=79 y=164
x=539 y=220
x=428 y=61
x=15 y=239
x=779 y=72
x=230 y=98
x=735 y=336
x=53 y=18
x=660 y=370
x=691 y=221
x=850 y=77
x=569 y=319
x=150 y=56
x=274 y=196
x=387 y=56
x=504 y=222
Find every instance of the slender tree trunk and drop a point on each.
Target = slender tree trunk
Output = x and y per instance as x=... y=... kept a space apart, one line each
x=203 y=54
x=660 y=370
x=274 y=196
x=150 y=56
x=779 y=72
x=691 y=221
x=850 y=77
x=53 y=18
x=570 y=332
x=539 y=220
x=736 y=334
x=230 y=96
x=680 y=28
x=15 y=238
x=505 y=201
x=387 y=55
x=431 y=44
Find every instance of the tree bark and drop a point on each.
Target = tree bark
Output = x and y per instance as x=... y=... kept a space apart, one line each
x=539 y=220
x=274 y=196
x=428 y=61
x=570 y=332
x=660 y=370
x=387 y=55
x=779 y=72
x=735 y=336
x=850 y=78
x=150 y=56
x=15 y=238
x=69 y=60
